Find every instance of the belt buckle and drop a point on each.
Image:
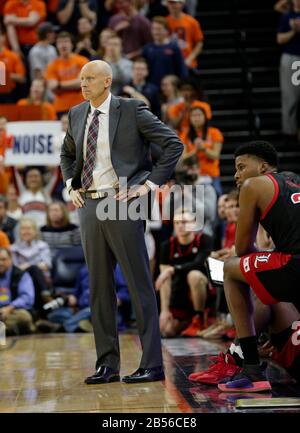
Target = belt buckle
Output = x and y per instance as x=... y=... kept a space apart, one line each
x=94 y=195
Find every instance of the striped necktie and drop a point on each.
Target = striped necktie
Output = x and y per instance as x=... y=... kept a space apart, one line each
x=91 y=148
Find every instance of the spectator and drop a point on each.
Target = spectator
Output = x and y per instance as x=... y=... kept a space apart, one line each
x=34 y=198
x=221 y=222
x=21 y=18
x=140 y=88
x=13 y=208
x=7 y=224
x=29 y=250
x=206 y=142
x=182 y=282
x=170 y=95
x=103 y=38
x=15 y=72
x=187 y=31
x=231 y=210
x=37 y=98
x=187 y=174
x=179 y=114
x=17 y=296
x=70 y=11
x=289 y=37
x=86 y=43
x=59 y=232
x=43 y=52
x=62 y=75
x=4 y=241
x=121 y=66
x=231 y=214
x=75 y=315
x=132 y=27
x=163 y=56
x=33 y=256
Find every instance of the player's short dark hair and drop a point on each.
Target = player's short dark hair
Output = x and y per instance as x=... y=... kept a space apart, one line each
x=261 y=149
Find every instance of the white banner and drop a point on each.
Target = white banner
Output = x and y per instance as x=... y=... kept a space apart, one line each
x=34 y=143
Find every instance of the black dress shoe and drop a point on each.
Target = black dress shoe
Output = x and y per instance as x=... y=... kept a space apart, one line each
x=145 y=375
x=103 y=374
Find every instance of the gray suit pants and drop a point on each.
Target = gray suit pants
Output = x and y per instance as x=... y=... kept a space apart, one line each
x=105 y=243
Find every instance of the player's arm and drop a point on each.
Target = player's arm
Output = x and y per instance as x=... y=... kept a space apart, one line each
x=248 y=219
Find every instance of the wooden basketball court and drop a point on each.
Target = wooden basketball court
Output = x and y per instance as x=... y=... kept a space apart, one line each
x=45 y=373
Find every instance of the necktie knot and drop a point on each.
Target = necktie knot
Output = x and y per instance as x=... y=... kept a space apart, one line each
x=96 y=113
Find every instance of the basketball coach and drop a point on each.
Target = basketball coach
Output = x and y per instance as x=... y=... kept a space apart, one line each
x=107 y=139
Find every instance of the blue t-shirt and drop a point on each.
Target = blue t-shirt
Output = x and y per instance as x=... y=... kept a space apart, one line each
x=293 y=46
x=164 y=60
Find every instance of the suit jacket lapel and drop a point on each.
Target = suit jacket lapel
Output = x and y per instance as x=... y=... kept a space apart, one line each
x=114 y=116
x=81 y=122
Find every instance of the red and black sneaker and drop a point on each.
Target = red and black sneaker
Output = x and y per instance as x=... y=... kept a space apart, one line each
x=251 y=378
x=224 y=367
x=193 y=329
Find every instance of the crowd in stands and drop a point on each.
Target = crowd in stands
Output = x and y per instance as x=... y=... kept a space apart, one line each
x=154 y=49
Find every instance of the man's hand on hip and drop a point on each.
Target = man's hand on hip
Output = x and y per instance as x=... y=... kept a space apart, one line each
x=136 y=191
x=76 y=198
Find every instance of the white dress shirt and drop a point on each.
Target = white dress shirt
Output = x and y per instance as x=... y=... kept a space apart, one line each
x=104 y=175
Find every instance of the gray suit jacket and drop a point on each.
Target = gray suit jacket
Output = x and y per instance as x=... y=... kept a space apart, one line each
x=132 y=127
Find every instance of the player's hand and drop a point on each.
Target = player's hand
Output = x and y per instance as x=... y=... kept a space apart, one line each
x=266 y=350
x=164 y=318
x=163 y=276
x=76 y=198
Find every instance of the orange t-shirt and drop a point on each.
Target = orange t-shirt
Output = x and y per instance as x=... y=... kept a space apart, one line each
x=175 y=110
x=208 y=167
x=13 y=64
x=188 y=33
x=47 y=110
x=26 y=35
x=4 y=241
x=65 y=70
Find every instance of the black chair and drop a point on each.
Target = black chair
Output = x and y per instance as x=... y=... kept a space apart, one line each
x=66 y=265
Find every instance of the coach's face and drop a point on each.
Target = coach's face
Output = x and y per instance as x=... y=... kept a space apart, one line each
x=248 y=166
x=95 y=81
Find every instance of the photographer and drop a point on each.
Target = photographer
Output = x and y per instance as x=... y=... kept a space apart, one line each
x=71 y=313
